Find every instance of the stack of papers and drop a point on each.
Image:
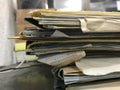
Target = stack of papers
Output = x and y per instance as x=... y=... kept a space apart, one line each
x=85 y=45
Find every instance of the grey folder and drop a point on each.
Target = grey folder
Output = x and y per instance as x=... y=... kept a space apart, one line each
x=77 y=79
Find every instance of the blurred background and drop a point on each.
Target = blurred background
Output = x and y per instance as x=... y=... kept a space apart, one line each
x=94 y=5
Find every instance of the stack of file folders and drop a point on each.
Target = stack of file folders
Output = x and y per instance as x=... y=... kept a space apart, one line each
x=84 y=45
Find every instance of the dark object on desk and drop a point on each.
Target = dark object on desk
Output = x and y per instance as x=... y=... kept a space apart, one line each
x=29 y=76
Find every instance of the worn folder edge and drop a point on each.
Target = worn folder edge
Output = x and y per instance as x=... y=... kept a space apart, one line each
x=36 y=13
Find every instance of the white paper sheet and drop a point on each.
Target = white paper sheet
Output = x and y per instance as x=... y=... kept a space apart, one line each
x=99 y=66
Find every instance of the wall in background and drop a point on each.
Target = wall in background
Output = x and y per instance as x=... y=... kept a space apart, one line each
x=69 y=5
x=7 y=29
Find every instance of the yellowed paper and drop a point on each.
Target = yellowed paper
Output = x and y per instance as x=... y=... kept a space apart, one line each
x=100 y=25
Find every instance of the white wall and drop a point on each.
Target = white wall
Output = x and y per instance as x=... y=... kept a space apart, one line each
x=69 y=5
x=7 y=29
x=118 y=5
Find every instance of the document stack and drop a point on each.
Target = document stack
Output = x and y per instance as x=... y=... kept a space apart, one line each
x=85 y=45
